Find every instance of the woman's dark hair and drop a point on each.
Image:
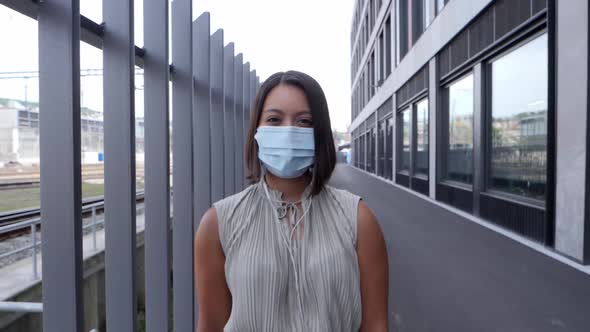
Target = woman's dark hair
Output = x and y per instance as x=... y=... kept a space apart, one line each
x=325 y=152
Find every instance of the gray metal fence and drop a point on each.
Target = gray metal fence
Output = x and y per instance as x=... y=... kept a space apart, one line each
x=211 y=94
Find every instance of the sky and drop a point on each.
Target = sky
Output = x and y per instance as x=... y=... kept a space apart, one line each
x=274 y=35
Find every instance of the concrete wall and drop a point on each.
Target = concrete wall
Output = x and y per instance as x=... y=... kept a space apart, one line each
x=572 y=125
x=94 y=297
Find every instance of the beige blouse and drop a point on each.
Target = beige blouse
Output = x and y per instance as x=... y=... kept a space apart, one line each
x=283 y=280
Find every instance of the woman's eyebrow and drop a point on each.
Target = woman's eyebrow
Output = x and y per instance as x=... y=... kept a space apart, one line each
x=272 y=110
x=303 y=112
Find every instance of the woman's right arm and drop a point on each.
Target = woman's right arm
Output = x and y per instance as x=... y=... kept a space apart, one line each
x=213 y=295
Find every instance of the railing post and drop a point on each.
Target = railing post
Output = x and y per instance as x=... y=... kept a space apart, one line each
x=59 y=138
x=94 y=227
x=34 y=241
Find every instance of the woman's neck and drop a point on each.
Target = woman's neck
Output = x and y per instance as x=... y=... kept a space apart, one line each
x=292 y=189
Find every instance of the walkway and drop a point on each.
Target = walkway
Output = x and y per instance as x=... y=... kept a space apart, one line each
x=448 y=273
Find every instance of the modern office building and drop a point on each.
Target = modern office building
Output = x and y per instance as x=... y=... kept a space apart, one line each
x=480 y=106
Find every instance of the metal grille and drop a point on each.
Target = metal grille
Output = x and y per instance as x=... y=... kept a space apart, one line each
x=523 y=219
x=370 y=122
x=481 y=33
x=539 y=5
x=385 y=109
x=444 y=61
x=460 y=49
x=420 y=185
x=201 y=102
x=491 y=25
x=459 y=198
x=414 y=86
x=510 y=14
x=402 y=180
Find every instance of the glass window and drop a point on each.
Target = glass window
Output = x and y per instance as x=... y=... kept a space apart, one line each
x=389 y=148
x=422 y=137
x=388 y=45
x=440 y=5
x=518 y=161
x=459 y=131
x=382 y=56
x=418 y=18
x=404 y=147
x=426 y=11
x=402 y=30
x=381 y=149
x=371 y=149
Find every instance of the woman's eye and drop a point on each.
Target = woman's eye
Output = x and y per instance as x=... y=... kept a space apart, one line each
x=273 y=120
x=306 y=122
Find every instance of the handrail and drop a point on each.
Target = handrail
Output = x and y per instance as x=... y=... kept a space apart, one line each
x=9 y=306
x=93 y=202
x=35 y=211
x=32 y=223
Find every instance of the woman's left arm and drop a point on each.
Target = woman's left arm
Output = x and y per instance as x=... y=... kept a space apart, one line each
x=374 y=271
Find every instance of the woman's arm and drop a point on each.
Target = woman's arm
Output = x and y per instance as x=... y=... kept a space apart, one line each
x=374 y=270
x=213 y=294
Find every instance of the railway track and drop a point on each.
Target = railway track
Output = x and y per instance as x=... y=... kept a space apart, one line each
x=13 y=217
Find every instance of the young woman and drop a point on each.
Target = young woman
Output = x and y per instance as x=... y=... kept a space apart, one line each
x=290 y=253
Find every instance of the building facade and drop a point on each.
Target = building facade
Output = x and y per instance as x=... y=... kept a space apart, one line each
x=19 y=134
x=480 y=106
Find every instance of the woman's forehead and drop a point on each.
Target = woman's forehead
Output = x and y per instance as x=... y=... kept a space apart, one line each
x=286 y=98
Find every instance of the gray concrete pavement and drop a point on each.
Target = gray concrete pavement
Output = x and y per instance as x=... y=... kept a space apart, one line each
x=448 y=273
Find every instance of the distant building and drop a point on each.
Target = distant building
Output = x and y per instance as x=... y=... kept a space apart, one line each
x=19 y=133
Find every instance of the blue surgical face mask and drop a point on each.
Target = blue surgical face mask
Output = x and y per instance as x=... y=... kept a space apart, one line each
x=286 y=152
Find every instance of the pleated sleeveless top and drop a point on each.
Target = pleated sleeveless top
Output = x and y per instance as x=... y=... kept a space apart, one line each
x=308 y=283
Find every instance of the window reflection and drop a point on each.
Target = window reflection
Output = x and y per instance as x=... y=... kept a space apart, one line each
x=459 y=151
x=519 y=120
x=422 y=137
x=440 y=5
x=405 y=155
x=389 y=148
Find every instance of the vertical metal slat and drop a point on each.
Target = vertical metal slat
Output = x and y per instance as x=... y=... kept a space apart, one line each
x=252 y=95
x=59 y=61
x=217 y=132
x=202 y=114
x=239 y=128
x=119 y=144
x=183 y=176
x=245 y=115
x=228 y=118
x=157 y=166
